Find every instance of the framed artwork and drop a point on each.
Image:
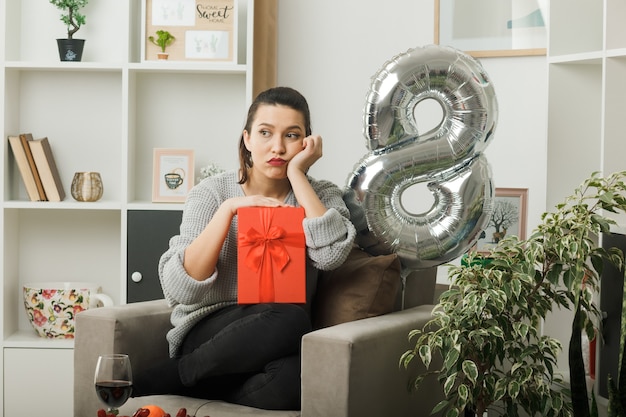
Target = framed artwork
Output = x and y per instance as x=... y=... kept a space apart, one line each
x=204 y=30
x=489 y=28
x=508 y=218
x=173 y=175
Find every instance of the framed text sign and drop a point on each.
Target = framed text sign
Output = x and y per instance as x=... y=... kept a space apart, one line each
x=204 y=30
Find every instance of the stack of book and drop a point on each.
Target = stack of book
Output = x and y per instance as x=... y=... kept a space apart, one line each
x=37 y=167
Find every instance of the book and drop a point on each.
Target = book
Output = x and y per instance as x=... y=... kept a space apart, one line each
x=47 y=169
x=25 y=138
x=24 y=167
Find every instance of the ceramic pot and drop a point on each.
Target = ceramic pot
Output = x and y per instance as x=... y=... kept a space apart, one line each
x=162 y=56
x=71 y=49
x=51 y=307
x=87 y=186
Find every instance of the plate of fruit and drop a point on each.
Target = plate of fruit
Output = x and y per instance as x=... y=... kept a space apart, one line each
x=148 y=411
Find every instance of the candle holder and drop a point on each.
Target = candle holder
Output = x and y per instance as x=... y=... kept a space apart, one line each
x=87 y=186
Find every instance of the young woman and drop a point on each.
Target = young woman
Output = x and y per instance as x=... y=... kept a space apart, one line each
x=247 y=354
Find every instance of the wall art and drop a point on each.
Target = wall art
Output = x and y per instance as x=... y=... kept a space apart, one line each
x=173 y=175
x=489 y=28
x=204 y=30
x=508 y=218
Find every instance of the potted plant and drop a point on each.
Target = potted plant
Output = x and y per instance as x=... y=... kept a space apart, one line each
x=71 y=49
x=162 y=40
x=487 y=326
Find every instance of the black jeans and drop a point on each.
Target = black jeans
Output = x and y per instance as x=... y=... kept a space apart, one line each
x=246 y=354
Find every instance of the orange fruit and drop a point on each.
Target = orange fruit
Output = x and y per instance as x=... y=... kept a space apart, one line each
x=155 y=410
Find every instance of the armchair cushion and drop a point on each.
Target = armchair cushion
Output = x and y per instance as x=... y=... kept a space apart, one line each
x=364 y=286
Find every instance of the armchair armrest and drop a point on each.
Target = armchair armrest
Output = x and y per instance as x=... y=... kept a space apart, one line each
x=143 y=326
x=352 y=369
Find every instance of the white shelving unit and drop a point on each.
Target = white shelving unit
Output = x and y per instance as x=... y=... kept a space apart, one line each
x=586 y=64
x=104 y=114
x=586 y=69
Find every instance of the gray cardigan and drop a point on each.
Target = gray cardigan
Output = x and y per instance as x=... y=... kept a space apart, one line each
x=328 y=241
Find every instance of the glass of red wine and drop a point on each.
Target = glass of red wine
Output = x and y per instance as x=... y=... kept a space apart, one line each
x=113 y=380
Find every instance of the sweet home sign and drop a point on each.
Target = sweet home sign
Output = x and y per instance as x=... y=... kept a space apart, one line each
x=205 y=30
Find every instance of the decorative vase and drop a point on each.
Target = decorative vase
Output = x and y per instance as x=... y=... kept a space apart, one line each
x=70 y=49
x=87 y=186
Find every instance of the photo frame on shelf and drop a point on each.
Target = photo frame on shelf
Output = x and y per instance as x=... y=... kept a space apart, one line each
x=204 y=30
x=173 y=175
x=492 y=28
x=508 y=218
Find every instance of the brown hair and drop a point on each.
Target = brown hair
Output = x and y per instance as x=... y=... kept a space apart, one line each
x=277 y=96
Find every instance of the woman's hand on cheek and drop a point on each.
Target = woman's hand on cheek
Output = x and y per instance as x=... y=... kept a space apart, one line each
x=310 y=153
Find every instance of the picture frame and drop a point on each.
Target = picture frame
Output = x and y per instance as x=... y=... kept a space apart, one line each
x=205 y=30
x=508 y=218
x=492 y=28
x=173 y=175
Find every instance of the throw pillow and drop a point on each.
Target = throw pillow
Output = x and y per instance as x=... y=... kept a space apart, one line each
x=363 y=286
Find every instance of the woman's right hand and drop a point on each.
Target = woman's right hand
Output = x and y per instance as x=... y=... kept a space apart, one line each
x=252 y=201
x=202 y=254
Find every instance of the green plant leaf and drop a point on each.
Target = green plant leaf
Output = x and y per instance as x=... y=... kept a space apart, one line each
x=416 y=382
x=569 y=279
x=557 y=402
x=451 y=358
x=496 y=331
x=425 y=355
x=406 y=358
x=463 y=392
x=414 y=333
x=517 y=366
x=500 y=390
x=522 y=329
x=440 y=406
x=507 y=288
x=448 y=385
x=517 y=287
x=452 y=412
x=554 y=274
x=513 y=389
x=470 y=370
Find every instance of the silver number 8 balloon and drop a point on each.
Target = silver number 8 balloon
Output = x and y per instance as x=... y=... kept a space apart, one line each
x=448 y=158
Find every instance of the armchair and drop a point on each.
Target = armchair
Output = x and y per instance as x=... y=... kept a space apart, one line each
x=348 y=370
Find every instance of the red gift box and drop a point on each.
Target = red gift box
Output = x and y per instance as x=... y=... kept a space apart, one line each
x=271 y=255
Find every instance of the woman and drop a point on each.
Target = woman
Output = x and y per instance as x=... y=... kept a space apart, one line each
x=246 y=354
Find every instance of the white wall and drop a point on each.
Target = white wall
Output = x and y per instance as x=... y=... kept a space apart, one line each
x=329 y=49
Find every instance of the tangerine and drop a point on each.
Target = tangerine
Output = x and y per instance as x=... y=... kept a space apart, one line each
x=155 y=410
